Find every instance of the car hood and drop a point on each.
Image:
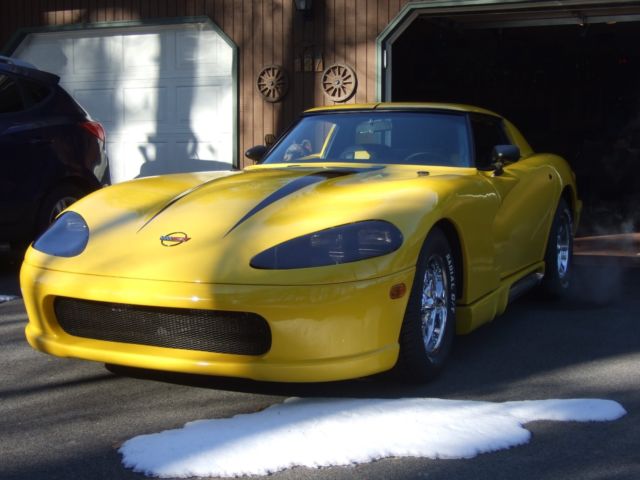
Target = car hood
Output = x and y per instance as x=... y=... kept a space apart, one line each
x=206 y=227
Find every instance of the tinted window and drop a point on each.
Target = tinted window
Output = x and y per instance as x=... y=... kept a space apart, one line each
x=34 y=92
x=378 y=136
x=10 y=99
x=488 y=132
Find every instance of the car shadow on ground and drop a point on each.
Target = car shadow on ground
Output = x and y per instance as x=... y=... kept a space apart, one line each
x=9 y=273
x=533 y=337
x=595 y=321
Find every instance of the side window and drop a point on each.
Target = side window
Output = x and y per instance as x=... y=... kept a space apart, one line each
x=308 y=141
x=488 y=132
x=10 y=98
x=34 y=92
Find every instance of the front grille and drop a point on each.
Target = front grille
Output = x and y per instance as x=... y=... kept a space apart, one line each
x=205 y=330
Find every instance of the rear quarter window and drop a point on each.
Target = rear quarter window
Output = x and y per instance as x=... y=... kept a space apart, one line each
x=10 y=98
x=34 y=92
x=488 y=131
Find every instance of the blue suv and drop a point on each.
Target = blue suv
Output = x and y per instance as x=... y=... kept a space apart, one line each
x=51 y=152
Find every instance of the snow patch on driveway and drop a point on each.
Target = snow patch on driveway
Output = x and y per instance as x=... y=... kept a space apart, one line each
x=327 y=432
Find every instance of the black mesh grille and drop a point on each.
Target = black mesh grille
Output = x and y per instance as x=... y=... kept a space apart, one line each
x=206 y=330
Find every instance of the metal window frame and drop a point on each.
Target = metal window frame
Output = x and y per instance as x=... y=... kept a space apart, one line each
x=574 y=9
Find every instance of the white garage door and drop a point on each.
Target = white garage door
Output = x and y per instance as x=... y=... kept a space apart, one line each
x=163 y=93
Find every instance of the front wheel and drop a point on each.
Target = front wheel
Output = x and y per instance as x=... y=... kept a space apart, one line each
x=559 y=254
x=59 y=199
x=428 y=327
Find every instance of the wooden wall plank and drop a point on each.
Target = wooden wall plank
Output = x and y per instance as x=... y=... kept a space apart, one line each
x=59 y=12
x=277 y=59
x=172 y=8
x=228 y=17
x=383 y=15
x=214 y=9
x=144 y=11
x=32 y=13
x=246 y=84
x=308 y=77
x=329 y=41
x=350 y=39
x=372 y=31
x=340 y=31
x=189 y=8
x=288 y=61
x=297 y=97
x=257 y=65
x=161 y=8
x=267 y=59
x=320 y=33
x=361 y=50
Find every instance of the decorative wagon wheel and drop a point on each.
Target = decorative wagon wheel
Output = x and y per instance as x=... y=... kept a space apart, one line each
x=339 y=82
x=273 y=83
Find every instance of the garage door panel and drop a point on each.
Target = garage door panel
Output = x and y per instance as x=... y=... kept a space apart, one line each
x=154 y=156
x=137 y=154
x=204 y=50
x=145 y=51
x=211 y=151
x=197 y=106
x=145 y=104
x=193 y=102
x=97 y=54
x=99 y=101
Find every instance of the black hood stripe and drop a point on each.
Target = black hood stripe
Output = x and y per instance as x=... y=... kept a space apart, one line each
x=288 y=189
x=293 y=186
x=177 y=198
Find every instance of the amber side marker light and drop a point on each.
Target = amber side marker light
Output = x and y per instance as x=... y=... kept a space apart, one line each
x=397 y=291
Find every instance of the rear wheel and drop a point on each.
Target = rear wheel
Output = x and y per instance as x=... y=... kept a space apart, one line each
x=428 y=327
x=559 y=254
x=55 y=202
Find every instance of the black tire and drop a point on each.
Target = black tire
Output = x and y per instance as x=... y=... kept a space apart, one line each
x=559 y=254
x=114 y=369
x=423 y=351
x=57 y=200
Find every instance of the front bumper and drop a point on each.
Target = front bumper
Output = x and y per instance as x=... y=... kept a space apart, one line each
x=318 y=332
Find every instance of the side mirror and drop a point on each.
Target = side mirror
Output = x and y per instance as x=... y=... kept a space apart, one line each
x=256 y=153
x=502 y=154
x=269 y=139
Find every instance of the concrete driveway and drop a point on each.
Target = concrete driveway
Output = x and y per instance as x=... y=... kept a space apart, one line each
x=64 y=418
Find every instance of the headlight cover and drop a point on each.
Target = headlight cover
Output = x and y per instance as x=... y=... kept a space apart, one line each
x=333 y=246
x=66 y=237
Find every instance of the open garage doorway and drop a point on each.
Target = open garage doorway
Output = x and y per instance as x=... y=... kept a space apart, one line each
x=570 y=80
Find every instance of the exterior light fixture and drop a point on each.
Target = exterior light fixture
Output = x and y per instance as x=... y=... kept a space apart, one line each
x=304 y=6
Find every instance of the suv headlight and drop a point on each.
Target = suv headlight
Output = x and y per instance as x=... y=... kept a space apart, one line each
x=66 y=237
x=336 y=245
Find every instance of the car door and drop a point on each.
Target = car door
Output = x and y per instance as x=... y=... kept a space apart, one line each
x=25 y=148
x=519 y=227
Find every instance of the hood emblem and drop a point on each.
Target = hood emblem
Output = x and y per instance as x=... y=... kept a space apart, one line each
x=174 y=238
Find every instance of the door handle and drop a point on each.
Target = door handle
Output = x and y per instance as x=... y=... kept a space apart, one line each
x=39 y=141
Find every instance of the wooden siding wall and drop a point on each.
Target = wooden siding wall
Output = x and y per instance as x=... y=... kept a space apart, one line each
x=265 y=31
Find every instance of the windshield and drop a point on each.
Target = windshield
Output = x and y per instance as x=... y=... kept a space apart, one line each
x=419 y=138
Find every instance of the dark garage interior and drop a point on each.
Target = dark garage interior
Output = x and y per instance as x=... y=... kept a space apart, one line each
x=570 y=82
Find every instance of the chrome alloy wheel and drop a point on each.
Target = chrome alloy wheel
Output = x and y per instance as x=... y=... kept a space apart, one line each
x=60 y=205
x=433 y=308
x=563 y=244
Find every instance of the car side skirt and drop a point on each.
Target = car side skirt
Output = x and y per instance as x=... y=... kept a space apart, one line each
x=469 y=317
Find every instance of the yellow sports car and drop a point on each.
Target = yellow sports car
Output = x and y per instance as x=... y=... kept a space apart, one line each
x=363 y=240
